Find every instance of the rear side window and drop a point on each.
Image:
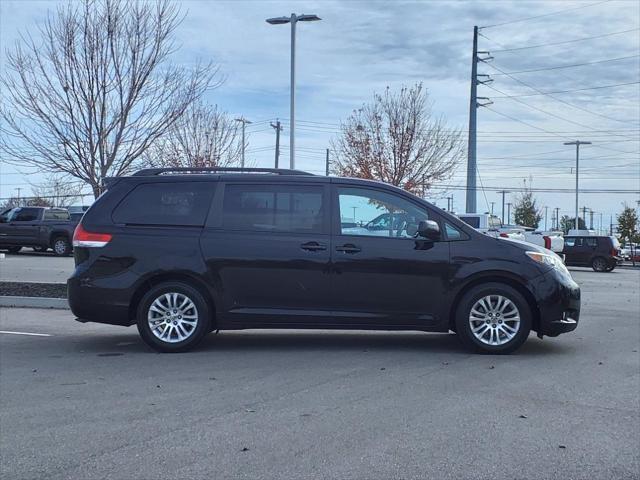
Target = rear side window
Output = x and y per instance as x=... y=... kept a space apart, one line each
x=273 y=208
x=56 y=215
x=591 y=242
x=163 y=203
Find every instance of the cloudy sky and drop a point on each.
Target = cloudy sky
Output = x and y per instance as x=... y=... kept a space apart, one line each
x=361 y=47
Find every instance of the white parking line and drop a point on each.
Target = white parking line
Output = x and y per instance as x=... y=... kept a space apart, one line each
x=26 y=333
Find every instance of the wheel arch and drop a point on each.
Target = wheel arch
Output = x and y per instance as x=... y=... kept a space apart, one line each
x=497 y=277
x=175 y=276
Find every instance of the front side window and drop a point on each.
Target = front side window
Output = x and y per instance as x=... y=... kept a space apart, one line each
x=570 y=242
x=166 y=203
x=25 y=215
x=377 y=214
x=453 y=234
x=273 y=208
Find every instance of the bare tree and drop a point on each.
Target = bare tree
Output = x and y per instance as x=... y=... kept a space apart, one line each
x=202 y=137
x=90 y=96
x=396 y=139
x=58 y=190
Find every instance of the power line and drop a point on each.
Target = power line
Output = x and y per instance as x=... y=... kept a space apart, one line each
x=492 y=65
x=561 y=43
x=551 y=113
x=570 y=91
x=545 y=15
x=558 y=67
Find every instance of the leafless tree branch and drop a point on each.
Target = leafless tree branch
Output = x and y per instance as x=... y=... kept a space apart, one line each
x=95 y=91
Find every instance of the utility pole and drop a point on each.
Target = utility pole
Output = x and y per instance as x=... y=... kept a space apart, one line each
x=450 y=203
x=577 y=143
x=509 y=213
x=590 y=219
x=244 y=122
x=503 y=193
x=600 y=229
x=611 y=225
x=326 y=168
x=472 y=166
x=278 y=129
x=546 y=209
x=584 y=216
x=492 y=204
x=557 y=209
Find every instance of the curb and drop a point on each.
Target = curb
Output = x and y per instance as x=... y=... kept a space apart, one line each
x=34 y=302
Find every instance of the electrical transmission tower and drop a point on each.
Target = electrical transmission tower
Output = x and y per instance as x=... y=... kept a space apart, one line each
x=474 y=103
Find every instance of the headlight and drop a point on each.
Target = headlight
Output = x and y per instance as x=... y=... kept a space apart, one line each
x=552 y=260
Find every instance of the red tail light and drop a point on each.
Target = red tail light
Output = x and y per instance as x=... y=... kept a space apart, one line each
x=614 y=252
x=547 y=242
x=504 y=235
x=82 y=238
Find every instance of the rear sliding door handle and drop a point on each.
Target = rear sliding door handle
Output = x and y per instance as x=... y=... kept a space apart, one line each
x=313 y=246
x=348 y=248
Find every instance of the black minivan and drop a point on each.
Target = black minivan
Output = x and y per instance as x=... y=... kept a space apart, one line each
x=181 y=253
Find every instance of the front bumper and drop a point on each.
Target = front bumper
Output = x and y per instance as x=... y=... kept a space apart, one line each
x=558 y=300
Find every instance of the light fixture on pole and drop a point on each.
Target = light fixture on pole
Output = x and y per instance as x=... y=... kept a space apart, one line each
x=577 y=143
x=293 y=19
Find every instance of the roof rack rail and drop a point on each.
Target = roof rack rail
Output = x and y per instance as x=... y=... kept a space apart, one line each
x=157 y=171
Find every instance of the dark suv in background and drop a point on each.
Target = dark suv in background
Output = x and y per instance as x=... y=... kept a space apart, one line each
x=40 y=228
x=600 y=253
x=180 y=253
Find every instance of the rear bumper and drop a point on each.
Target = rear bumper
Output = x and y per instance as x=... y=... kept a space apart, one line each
x=558 y=299
x=90 y=301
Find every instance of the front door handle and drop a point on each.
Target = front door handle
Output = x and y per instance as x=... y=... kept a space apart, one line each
x=313 y=246
x=348 y=248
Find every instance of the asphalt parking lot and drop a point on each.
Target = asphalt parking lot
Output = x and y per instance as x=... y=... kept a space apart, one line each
x=92 y=401
x=28 y=266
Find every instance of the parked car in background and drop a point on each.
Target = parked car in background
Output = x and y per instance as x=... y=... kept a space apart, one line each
x=40 y=228
x=598 y=252
x=553 y=241
x=492 y=225
x=180 y=254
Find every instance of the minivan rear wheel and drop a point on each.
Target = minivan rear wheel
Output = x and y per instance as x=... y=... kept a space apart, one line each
x=493 y=318
x=173 y=317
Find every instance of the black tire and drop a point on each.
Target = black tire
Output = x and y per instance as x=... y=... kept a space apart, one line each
x=599 y=264
x=40 y=249
x=61 y=246
x=463 y=323
x=13 y=249
x=202 y=311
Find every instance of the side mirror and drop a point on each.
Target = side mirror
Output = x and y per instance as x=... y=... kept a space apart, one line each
x=429 y=229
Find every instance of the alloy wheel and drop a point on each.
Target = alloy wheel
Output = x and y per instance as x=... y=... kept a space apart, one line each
x=494 y=320
x=172 y=317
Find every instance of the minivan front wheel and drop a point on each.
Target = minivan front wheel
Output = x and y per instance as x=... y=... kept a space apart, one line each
x=493 y=318
x=173 y=317
x=599 y=264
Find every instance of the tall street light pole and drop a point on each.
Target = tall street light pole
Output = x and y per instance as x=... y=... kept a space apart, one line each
x=244 y=122
x=577 y=143
x=292 y=115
